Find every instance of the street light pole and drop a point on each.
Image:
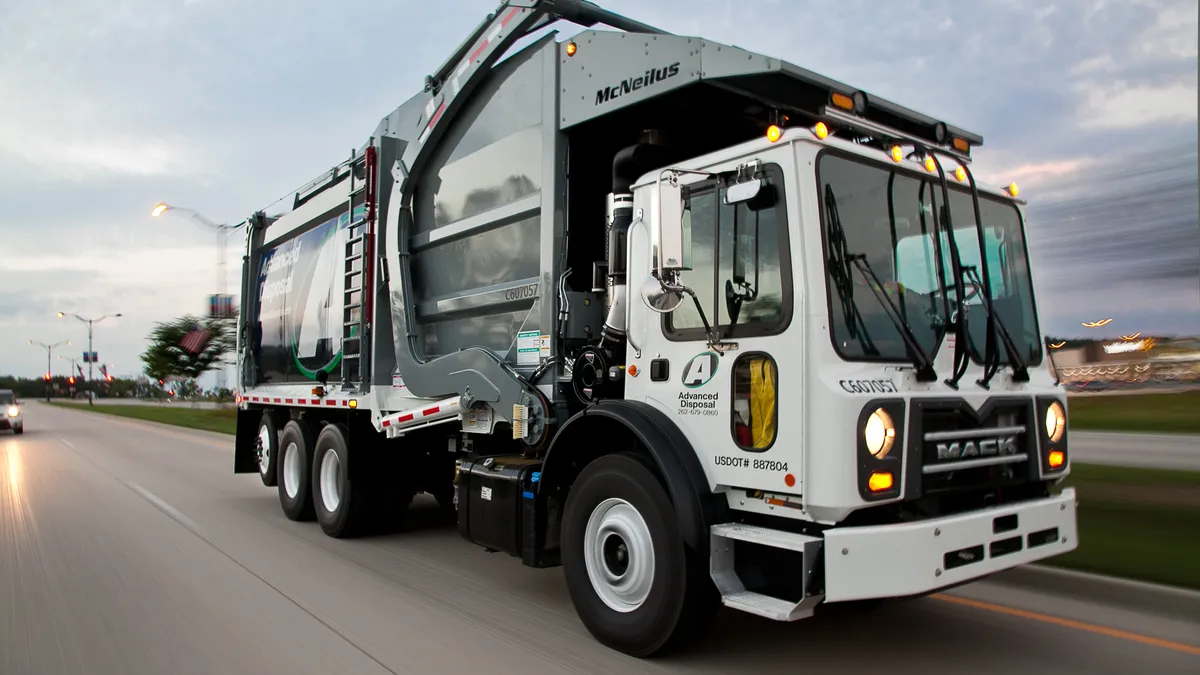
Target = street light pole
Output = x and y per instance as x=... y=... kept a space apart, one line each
x=49 y=352
x=223 y=232
x=90 y=360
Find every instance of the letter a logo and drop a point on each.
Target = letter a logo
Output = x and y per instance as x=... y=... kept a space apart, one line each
x=700 y=370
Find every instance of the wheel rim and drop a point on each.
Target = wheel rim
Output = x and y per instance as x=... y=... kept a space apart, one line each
x=331 y=488
x=619 y=554
x=264 y=450
x=291 y=470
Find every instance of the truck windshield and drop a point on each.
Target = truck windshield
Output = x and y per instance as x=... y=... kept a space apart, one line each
x=887 y=214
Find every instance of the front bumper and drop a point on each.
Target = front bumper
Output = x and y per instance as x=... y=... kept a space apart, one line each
x=913 y=558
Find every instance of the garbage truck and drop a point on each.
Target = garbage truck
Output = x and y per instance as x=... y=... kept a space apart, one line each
x=697 y=325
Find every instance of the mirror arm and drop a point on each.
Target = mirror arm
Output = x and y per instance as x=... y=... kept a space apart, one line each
x=713 y=339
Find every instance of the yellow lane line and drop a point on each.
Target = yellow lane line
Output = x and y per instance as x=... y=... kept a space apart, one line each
x=1068 y=623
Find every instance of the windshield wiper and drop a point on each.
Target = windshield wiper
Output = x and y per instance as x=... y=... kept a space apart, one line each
x=924 y=364
x=921 y=360
x=839 y=270
x=1019 y=368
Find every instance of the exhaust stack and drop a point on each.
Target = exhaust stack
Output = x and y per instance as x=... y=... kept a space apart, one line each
x=628 y=164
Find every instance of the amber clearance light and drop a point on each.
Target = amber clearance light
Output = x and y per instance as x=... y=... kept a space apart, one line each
x=880 y=482
x=774 y=133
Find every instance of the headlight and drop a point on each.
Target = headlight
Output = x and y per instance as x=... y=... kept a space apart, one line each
x=13 y=411
x=1056 y=422
x=879 y=433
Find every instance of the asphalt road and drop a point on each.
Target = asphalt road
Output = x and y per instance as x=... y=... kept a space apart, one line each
x=1156 y=451
x=131 y=548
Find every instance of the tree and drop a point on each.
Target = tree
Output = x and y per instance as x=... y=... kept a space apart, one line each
x=188 y=347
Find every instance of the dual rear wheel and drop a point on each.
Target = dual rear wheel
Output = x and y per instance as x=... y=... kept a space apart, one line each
x=635 y=584
x=316 y=483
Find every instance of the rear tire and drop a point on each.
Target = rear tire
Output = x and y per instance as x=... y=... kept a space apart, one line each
x=636 y=586
x=294 y=471
x=344 y=508
x=267 y=444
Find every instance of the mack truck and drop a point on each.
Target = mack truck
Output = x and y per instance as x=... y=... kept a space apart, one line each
x=702 y=327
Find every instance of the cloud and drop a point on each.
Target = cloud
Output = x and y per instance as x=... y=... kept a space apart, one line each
x=107 y=108
x=1121 y=105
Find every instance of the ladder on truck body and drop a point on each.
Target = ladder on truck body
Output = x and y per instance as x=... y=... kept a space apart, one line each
x=358 y=291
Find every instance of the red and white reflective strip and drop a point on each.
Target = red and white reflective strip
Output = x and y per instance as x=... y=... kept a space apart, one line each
x=312 y=402
x=437 y=106
x=450 y=407
x=494 y=34
x=433 y=111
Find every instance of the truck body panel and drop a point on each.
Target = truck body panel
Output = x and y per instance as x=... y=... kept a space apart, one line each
x=501 y=282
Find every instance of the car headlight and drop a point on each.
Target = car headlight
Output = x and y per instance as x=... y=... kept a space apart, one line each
x=879 y=433
x=13 y=411
x=1056 y=422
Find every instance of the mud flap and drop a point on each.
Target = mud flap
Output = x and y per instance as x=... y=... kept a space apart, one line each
x=245 y=453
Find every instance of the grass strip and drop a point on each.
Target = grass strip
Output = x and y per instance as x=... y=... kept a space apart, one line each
x=222 y=420
x=1136 y=523
x=1165 y=413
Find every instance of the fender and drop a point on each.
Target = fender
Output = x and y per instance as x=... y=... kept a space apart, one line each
x=695 y=506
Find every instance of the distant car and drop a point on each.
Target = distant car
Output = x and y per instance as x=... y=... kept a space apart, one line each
x=10 y=412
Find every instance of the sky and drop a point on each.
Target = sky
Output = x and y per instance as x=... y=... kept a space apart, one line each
x=225 y=106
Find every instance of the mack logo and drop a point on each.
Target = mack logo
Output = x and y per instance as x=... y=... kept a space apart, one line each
x=635 y=83
x=988 y=447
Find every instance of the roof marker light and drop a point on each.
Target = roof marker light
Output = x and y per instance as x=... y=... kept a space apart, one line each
x=572 y=48
x=774 y=133
x=821 y=131
x=961 y=174
x=961 y=144
x=897 y=153
x=930 y=164
x=1011 y=189
x=842 y=101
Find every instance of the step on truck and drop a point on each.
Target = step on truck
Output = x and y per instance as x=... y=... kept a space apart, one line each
x=700 y=326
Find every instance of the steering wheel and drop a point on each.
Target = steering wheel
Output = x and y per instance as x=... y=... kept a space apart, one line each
x=971 y=288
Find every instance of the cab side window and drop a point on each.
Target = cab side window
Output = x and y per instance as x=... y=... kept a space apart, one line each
x=739 y=263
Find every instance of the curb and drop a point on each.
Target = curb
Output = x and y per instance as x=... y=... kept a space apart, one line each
x=1172 y=601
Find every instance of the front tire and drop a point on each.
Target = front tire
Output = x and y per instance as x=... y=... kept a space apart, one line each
x=19 y=429
x=295 y=468
x=635 y=584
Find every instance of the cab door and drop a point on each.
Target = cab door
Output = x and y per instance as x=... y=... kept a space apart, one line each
x=729 y=396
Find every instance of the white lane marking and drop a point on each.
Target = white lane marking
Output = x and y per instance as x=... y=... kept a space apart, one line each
x=69 y=444
x=165 y=507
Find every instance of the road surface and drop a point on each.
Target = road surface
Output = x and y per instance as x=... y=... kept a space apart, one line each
x=131 y=548
x=1156 y=451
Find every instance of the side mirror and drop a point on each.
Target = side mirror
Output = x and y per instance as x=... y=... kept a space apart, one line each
x=742 y=192
x=668 y=229
x=658 y=298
